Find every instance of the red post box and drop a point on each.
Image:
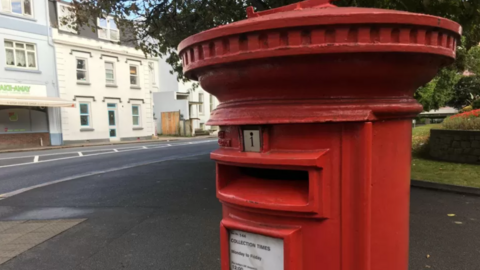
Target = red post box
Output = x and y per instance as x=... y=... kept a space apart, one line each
x=313 y=168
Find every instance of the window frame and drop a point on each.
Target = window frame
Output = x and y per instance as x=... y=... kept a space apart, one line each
x=136 y=75
x=139 y=115
x=113 y=71
x=87 y=77
x=108 y=29
x=10 y=11
x=201 y=109
x=88 y=114
x=25 y=50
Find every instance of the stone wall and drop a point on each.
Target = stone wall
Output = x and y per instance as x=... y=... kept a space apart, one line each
x=455 y=145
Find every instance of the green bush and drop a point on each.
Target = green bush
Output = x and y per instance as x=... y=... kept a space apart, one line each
x=421 y=147
x=462 y=123
x=476 y=104
x=421 y=121
x=420 y=140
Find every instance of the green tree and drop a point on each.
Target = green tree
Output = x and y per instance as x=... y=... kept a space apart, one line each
x=467 y=92
x=159 y=25
x=472 y=60
x=439 y=91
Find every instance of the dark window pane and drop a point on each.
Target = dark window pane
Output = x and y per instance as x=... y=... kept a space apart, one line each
x=27 y=7
x=113 y=133
x=111 y=118
x=83 y=108
x=81 y=76
x=135 y=110
x=80 y=64
x=84 y=120
x=133 y=80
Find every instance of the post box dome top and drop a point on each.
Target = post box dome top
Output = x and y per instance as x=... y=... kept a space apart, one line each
x=318 y=27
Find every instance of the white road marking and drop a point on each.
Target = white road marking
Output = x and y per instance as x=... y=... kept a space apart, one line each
x=144 y=147
x=35 y=159
x=22 y=190
x=97 y=154
x=115 y=150
x=80 y=154
x=169 y=145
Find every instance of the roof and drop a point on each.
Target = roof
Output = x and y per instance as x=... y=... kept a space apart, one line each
x=443 y=110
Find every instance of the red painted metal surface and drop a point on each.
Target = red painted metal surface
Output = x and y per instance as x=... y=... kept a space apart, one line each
x=330 y=92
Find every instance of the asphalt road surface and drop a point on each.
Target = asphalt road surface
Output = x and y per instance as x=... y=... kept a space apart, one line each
x=26 y=169
x=155 y=208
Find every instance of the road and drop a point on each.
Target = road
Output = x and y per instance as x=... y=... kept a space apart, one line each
x=155 y=208
x=26 y=169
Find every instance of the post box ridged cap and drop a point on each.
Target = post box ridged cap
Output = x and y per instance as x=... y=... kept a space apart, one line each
x=318 y=27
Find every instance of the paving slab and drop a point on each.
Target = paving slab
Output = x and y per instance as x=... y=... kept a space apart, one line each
x=20 y=236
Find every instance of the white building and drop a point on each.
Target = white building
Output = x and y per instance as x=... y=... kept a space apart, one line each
x=193 y=107
x=110 y=82
x=29 y=103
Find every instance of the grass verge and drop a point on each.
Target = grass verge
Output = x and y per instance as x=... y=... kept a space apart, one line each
x=446 y=172
x=437 y=171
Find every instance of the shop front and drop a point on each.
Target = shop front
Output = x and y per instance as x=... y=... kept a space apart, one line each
x=24 y=115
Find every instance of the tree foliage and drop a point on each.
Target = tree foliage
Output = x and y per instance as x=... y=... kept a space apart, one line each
x=467 y=91
x=439 y=91
x=159 y=25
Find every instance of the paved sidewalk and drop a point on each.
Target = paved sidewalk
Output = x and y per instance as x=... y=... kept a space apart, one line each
x=159 y=139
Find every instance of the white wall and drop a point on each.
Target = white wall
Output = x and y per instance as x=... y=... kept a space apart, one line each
x=92 y=51
x=194 y=96
x=168 y=82
x=166 y=101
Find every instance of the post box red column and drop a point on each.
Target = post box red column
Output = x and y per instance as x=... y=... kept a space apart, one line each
x=313 y=165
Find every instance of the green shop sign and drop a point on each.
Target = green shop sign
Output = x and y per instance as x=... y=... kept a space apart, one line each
x=14 y=89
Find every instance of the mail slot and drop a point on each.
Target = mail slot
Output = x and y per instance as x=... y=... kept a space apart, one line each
x=313 y=164
x=263 y=187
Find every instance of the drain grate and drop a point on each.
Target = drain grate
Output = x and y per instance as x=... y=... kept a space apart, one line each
x=17 y=237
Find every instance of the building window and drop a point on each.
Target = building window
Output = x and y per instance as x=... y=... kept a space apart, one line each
x=136 y=115
x=110 y=72
x=18 y=7
x=212 y=103
x=151 y=68
x=134 y=75
x=85 y=114
x=200 y=106
x=66 y=18
x=20 y=55
x=82 y=71
x=107 y=29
